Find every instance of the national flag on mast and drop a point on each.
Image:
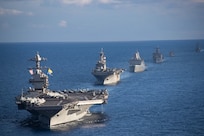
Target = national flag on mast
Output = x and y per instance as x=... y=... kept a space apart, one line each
x=31 y=71
x=49 y=71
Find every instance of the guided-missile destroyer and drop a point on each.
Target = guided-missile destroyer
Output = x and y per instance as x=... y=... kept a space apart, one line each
x=105 y=75
x=52 y=108
x=158 y=56
x=136 y=64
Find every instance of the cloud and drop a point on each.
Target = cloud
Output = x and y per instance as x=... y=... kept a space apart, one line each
x=29 y=13
x=88 y=2
x=77 y=2
x=4 y=11
x=109 y=1
x=63 y=23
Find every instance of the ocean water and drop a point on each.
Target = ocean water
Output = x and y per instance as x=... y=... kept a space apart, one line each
x=166 y=99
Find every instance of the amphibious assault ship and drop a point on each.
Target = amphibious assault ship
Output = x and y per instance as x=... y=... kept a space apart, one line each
x=105 y=75
x=136 y=64
x=52 y=108
x=158 y=56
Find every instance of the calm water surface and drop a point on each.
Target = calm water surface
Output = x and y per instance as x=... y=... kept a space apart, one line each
x=166 y=99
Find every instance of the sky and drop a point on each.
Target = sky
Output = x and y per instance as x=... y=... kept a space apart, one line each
x=100 y=20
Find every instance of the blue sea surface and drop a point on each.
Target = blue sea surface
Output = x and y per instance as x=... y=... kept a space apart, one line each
x=166 y=99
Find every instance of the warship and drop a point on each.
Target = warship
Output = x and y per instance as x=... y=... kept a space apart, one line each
x=51 y=108
x=157 y=56
x=198 y=48
x=171 y=54
x=105 y=75
x=136 y=64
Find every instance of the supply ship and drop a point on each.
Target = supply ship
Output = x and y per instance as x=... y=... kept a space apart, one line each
x=105 y=75
x=52 y=108
x=158 y=56
x=136 y=64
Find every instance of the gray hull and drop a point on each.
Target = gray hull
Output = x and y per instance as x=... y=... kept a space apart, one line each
x=61 y=108
x=107 y=78
x=136 y=64
x=158 y=60
x=158 y=56
x=137 y=68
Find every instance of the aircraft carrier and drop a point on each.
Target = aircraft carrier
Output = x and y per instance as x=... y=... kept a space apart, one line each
x=136 y=64
x=105 y=75
x=51 y=107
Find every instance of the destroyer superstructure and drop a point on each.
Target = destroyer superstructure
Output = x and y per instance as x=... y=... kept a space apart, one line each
x=158 y=56
x=136 y=64
x=50 y=107
x=105 y=75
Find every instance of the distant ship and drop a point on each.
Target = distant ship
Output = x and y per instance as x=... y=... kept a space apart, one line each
x=158 y=56
x=198 y=49
x=104 y=75
x=171 y=54
x=52 y=108
x=136 y=64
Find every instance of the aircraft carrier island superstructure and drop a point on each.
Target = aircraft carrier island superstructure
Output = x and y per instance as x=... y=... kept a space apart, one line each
x=158 y=56
x=105 y=75
x=136 y=64
x=50 y=107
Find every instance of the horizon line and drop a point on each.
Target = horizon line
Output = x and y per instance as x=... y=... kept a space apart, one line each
x=96 y=41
